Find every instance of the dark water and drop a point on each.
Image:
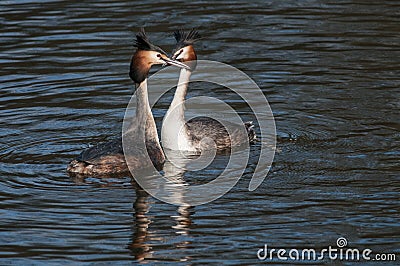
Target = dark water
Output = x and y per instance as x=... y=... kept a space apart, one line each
x=330 y=70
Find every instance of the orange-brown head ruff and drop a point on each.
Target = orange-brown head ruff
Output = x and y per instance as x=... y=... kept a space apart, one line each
x=146 y=55
x=184 y=50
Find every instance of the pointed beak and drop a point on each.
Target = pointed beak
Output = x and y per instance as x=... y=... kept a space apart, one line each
x=168 y=61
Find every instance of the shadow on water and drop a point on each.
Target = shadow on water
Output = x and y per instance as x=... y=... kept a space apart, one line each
x=328 y=69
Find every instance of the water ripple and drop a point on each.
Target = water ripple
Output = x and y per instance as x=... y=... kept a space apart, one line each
x=328 y=69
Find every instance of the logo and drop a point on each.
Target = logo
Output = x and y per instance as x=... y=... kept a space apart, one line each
x=340 y=252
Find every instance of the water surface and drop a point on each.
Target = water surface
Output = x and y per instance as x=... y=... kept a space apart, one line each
x=330 y=70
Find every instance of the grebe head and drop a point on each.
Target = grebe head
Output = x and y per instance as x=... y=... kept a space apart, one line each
x=184 y=50
x=147 y=55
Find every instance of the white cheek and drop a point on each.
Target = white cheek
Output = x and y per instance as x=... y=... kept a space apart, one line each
x=158 y=59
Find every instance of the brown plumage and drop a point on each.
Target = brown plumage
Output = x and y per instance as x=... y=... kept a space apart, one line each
x=108 y=158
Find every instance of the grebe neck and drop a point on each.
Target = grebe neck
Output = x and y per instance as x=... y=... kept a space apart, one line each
x=177 y=104
x=174 y=131
x=143 y=112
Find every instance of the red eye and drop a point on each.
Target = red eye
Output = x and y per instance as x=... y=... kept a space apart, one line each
x=159 y=55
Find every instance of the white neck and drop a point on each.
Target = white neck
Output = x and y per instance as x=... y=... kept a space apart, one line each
x=143 y=112
x=177 y=107
x=142 y=101
x=173 y=132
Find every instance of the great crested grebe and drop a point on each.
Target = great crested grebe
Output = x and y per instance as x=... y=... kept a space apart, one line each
x=180 y=135
x=108 y=158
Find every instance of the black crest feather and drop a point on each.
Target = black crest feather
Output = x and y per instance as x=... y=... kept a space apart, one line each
x=185 y=38
x=143 y=43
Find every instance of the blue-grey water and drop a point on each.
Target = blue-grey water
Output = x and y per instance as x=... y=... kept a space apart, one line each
x=329 y=69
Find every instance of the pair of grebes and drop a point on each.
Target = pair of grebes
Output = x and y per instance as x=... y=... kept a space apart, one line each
x=108 y=158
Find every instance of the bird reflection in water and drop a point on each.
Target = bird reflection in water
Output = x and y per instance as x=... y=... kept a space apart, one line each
x=175 y=173
x=142 y=237
x=139 y=248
